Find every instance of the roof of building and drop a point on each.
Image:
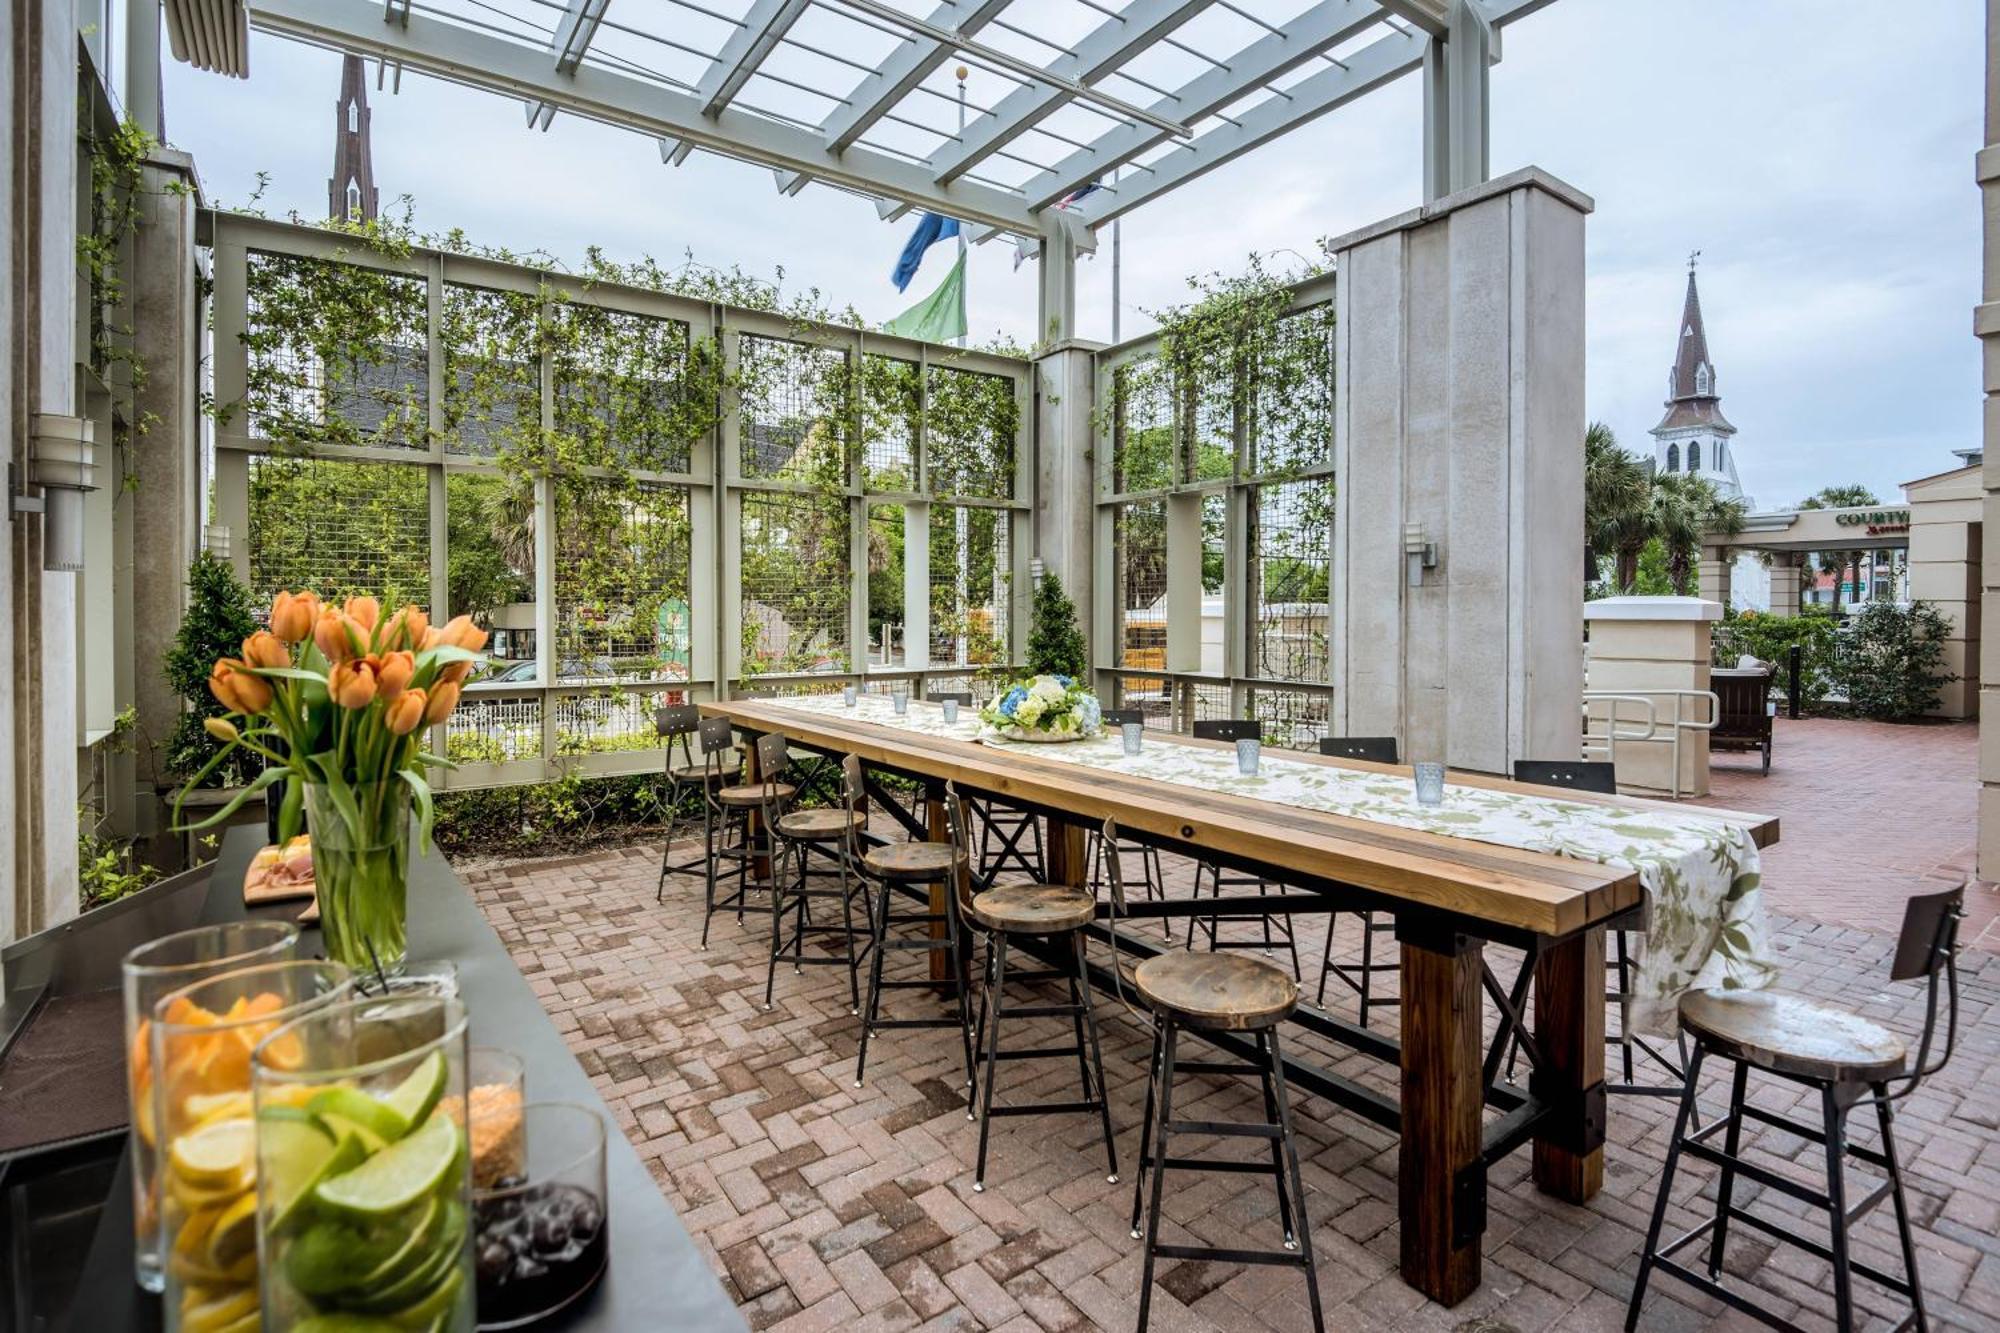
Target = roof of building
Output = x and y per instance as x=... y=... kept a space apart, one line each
x=1692 y=399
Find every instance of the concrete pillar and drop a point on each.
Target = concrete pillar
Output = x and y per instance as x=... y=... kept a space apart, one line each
x=1986 y=324
x=1713 y=572
x=1458 y=362
x=1065 y=485
x=1945 y=551
x=1651 y=647
x=1788 y=582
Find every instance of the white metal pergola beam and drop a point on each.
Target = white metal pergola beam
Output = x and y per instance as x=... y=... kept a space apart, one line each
x=763 y=28
x=1431 y=16
x=1324 y=26
x=481 y=60
x=572 y=39
x=1108 y=46
x=913 y=62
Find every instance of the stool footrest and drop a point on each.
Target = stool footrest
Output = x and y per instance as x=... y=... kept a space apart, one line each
x=1042 y=1010
x=1234 y=1129
x=1035 y=1053
x=1173 y=1163
x=914 y=1023
x=1288 y=1258
x=1753 y=1171
x=1050 y=1108
x=931 y=945
x=1215 y=1067
x=925 y=984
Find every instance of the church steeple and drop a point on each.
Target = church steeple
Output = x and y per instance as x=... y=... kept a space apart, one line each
x=1693 y=375
x=1694 y=436
x=350 y=191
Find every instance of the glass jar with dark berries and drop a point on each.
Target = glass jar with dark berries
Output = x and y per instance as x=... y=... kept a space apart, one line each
x=539 y=1241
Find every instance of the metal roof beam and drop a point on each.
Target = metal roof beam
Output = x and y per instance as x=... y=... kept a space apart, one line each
x=1108 y=46
x=913 y=62
x=1432 y=16
x=763 y=28
x=481 y=60
x=1324 y=26
x=572 y=39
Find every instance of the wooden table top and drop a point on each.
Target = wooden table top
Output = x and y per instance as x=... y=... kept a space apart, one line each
x=1509 y=887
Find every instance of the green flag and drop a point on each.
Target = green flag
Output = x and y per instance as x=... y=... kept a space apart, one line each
x=939 y=317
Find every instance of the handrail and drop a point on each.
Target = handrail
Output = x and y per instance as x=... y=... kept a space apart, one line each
x=1605 y=744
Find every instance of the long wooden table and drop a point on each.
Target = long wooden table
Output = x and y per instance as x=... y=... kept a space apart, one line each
x=1449 y=897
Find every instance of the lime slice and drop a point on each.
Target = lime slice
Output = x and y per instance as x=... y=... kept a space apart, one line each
x=357 y=1107
x=426 y=1312
x=344 y=1323
x=396 y=1177
x=298 y=1152
x=418 y=1095
x=218 y=1155
x=332 y=1257
x=416 y=1246
x=368 y=1138
x=441 y=1253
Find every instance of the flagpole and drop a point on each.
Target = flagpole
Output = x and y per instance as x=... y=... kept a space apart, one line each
x=962 y=72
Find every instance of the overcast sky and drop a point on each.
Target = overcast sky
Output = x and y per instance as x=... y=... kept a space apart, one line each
x=1822 y=167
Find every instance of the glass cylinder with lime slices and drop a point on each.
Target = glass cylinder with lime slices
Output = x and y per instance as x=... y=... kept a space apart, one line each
x=362 y=1214
x=204 y=1111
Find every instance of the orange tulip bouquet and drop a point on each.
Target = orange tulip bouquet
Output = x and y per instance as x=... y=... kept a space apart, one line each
x=335 y=700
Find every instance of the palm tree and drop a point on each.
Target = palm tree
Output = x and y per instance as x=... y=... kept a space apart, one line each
x=1615 y=503
x=1684 y=509
x=1836 y=562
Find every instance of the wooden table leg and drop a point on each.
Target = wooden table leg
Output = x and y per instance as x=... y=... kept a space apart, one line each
x=1066 y=853
x=1569 y=1030
x=1441 y=1176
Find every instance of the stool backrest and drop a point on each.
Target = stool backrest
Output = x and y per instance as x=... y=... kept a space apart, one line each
x=960 y=833
x=1575 y=774
x=851 y=786
x=1229 y=729
x=1113 y=871
x=961 y=697
x=1372 y=749
x=1927 y=946
x=1118 y=717
x=675 y=724
x=772 y=757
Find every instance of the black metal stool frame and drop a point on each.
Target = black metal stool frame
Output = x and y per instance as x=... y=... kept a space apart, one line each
x=674 y=724
x=797 y=893
x=1216 y=729
x=755 y=839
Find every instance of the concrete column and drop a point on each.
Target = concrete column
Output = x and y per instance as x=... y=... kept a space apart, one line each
x=1788 y=581
x=1986 y=324
x=1714 y=573
x=1650 y=647
x=1065 y=486
x=1458 y=362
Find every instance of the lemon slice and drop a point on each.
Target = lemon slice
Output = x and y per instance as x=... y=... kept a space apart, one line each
x=398 y=1176
x=220 y=1154
x=212 y=1316
x=205 y=1106
x=234 y=1234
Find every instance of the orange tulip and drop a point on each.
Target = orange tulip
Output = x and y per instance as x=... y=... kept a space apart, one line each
x=460 y=632
x=352 y=684
x=338 y=636
x=406 y=628
x=264 y=649
x=221 y=728
x=406 y=713
x=431 y=638
x=236 y=689
x=393 y=673
x=443 y=698
x=366 y=611
x=293 y=615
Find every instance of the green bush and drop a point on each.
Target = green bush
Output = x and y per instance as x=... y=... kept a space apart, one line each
x=1770 y=638
x=1055 y=644
x=1891 y=662
x=218 y=619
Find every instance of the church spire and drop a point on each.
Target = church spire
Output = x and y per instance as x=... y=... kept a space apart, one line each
x=350 y=191
x=1693 y=375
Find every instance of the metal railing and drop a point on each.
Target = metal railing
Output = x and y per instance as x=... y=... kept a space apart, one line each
x=1619 y=726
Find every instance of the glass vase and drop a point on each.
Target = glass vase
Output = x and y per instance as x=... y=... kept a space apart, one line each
x=361 y=873
x=363 y=1207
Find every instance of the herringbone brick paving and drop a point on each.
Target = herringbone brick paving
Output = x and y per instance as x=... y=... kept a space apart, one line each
x=821 y=1205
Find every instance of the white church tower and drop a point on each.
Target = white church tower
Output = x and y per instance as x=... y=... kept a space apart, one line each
x=1694 y=436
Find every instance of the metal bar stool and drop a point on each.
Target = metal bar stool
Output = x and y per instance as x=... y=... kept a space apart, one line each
x=834 y=835
x=1359 y=977
x=745 y=810
x=1850 y=1062
x=677 y=724
x=1229 y=729
x=1214 y=992
x=1037 y=911
x=910 y=864
x=1100 y=855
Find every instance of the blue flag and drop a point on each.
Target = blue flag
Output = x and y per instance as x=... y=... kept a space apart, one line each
x=930 y=230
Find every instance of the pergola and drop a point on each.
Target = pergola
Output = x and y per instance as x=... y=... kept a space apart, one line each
x=859 y=95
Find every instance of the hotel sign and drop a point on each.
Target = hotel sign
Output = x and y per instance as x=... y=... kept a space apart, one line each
x=1879 y=522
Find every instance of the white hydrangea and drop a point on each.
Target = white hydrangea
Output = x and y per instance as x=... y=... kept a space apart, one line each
x=1048 y=689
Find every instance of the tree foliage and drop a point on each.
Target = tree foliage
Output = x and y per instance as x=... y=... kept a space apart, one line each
x=1837 y=563
x=217 y=620
x=1055 y=642
x=1770 y=637
x=1891 y=662
x=1628 y=508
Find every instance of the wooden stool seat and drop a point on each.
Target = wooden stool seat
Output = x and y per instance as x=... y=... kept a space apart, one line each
x=699 y=772
x=1217 y=990
x=820 y=825
x=756 y=793
x=1788 y=1034
x=1035 y=909
x=915 y=862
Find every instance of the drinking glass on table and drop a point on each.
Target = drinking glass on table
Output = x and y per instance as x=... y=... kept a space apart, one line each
x=1429 y=779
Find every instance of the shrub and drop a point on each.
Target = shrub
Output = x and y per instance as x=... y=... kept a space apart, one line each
x=1770 y=638
x=1055 y=644
x=1891 y=661
x=217 y=620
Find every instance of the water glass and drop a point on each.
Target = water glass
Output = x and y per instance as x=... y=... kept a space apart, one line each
x=346 y=1235
x=151 y=972
x=431 y=976
x=1430 y=784
x=950 y=711
x=542 y=1239
x=202 y=1039
x=1132 y=732
x=899 y=699
x=847 y=696
x=1248 y=753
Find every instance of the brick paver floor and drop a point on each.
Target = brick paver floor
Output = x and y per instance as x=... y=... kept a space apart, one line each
x=1869 y=814
x=821 y=1205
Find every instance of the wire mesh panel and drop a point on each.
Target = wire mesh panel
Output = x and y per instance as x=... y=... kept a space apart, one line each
x=1291 y=423
x=1140 y=533
x=490 y=568
x=629 y=388
x=886 y=613
x=797 y=406
x=1151 y=695
x=599 y=720
x=796 y=588
x=1294 y=719
x=492 y=370
x=340 y=529
x=1208 y=408
x=1142 y=433
x=494 y=728
x=622 y=578
x=970 y=586
x=1201 y=701
x=970 y=425
x=1290 y=555
x=891 y=412
x=337 y=354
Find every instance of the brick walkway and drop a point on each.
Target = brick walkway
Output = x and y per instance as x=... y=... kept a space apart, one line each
x=1869 y=814
x=825 y=1206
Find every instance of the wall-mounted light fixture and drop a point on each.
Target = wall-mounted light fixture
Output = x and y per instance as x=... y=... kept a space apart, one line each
x=1418 y=553
x=62 y=461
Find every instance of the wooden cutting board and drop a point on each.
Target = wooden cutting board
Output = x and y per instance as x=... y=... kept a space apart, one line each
x=265 y=884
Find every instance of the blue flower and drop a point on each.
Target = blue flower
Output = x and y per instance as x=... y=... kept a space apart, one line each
x=1011 y=699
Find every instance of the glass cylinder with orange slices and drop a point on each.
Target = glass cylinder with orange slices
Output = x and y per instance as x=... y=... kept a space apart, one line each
x=153 y=971
x=211 y=1132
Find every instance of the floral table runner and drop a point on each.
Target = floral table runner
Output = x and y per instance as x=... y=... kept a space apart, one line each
x=1700 y=874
